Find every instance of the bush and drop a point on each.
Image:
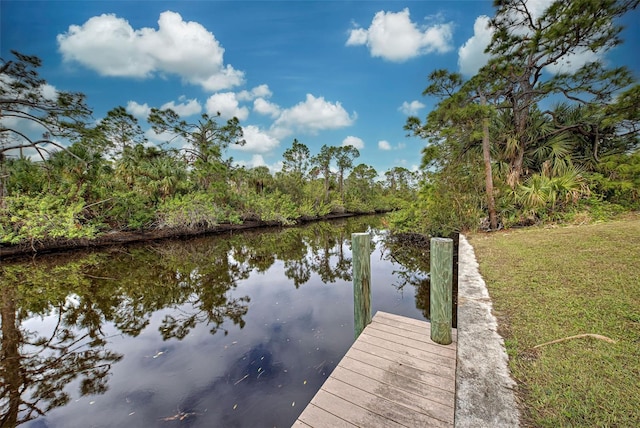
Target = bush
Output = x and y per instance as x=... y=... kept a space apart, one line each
x=192 y=211
x=272 y=207
x=617 y=179
x=43 y=217
x=130 y=210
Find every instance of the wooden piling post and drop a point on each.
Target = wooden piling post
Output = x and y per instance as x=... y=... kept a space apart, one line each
x=441 y=293
x=454 y=301
x=361 y=259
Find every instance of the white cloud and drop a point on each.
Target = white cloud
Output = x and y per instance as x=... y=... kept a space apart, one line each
x=537 y=7
x=573 y=61
x=227 y=105
x=138 y=110
x=394 y=37
x=412 y=108
x=257 y=141
x=384 y=145
x=311 y=116
x=184 y=109
x=110 y=46
x=357 y=37
x=49 y=92
x=261 y=91
x=262 y=106
x=353 y=141
x=258 y=160
x=471 y=55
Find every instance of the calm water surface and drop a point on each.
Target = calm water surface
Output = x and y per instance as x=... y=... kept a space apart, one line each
x=225 y=331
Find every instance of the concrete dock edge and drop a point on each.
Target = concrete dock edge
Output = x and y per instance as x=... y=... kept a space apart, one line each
x=484 y=388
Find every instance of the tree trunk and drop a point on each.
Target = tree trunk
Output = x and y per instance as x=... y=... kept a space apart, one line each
x=521 y=103
x=326 y=186
x=10 y=355
x=488 y=173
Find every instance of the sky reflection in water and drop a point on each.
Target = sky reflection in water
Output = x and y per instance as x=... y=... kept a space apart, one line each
x=220 y=331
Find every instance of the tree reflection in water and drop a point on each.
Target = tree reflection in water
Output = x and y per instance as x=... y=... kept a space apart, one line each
x=410 y=252
x=35 y=366
x=191 y=283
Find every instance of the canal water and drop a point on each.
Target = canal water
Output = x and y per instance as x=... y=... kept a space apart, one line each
x=236 y=330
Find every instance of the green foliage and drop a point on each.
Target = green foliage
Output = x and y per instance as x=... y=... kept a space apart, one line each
x=192 y=211
x=541 y=192
x=441 y=207
x=118 y=131
x=539 y=165
x=107 y=175
x=273 y=207
x=310 y=208
x=23 y=176
x=38 y=218
x=129 y=210
x=592 y=209
x=618 y=180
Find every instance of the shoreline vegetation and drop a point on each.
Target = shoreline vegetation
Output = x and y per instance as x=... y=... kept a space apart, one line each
x=77 y=179
x=111 y=238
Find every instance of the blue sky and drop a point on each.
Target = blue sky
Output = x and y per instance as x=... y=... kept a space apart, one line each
x=324 y=72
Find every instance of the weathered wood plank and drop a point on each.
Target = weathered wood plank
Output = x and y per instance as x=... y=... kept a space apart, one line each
x=393 y=339
x=315 y=416
x=411 y=330
x=360 y=244
x=424 y=365
x=408 y=350
x=388 y=409
x=392 y=376
x=395 y=394
x=348 y=411
x=393 y=367
x=439 y=376
x=416 y=340
x=410 y=324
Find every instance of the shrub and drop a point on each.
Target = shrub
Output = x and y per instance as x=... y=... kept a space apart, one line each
x=192 y=211
x=43 y=217
x=272 y=207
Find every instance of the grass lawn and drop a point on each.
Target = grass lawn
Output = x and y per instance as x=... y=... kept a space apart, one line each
x=551 y=283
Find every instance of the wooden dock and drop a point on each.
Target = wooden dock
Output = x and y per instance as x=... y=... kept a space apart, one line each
x=392 y=376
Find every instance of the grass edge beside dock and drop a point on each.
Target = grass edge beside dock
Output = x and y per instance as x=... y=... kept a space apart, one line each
x=554 y=283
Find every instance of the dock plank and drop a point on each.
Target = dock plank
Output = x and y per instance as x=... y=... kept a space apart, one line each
x=403 y=348
x=421 y=340
x=401 y=369
x=348 y=411
x=315 y=416
x=392 y=376
x=395 y=394
x=423 y=365
x=408 y=383
x=408 y=324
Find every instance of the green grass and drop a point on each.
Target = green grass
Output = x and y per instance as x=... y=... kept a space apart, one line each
x=552 y=283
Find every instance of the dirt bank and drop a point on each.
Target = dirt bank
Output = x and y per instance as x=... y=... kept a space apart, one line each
x=118 y=238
